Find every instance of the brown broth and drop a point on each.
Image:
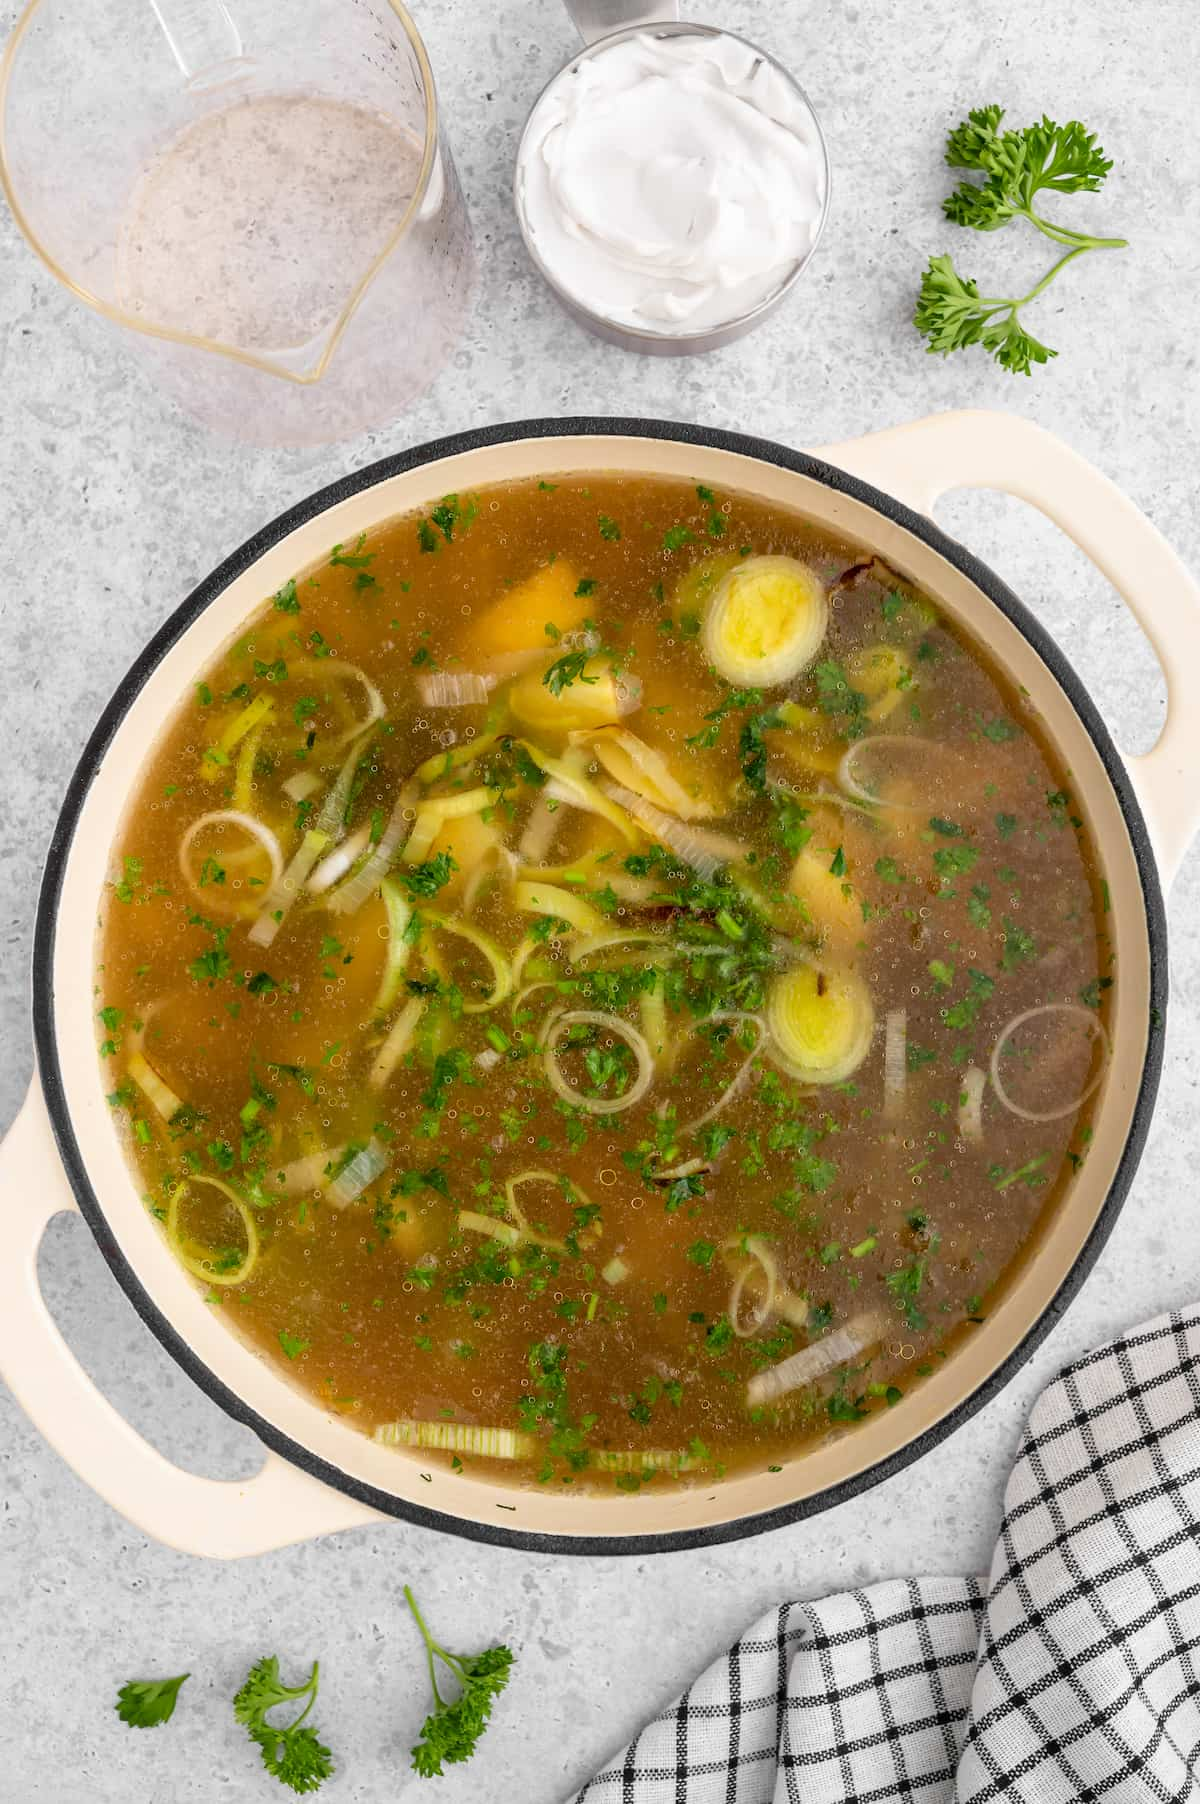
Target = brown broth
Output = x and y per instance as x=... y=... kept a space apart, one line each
x=973 y=902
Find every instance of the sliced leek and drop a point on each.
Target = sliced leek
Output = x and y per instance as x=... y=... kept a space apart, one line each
x=895 y=1063
x=333 y=868
x=399 y=914
x=205 y=1262
x=243 y=782
x=457 y=1437
x=284 y=893
x=454 y=689
x=970 y=1104
x=580 y=792
x=369 y=1163
x=821 y=1021
x=766 y=620
x=492 y=950
x=351 y=894
x=432 y=815
x=301 y=786
x=400 y=1038
x=811 y=1363
x=323 y=669
x=638 y=767
x=652 y=1006
x=504 y=1231
x=441 y=764
x=609 y=937
x=558 y=1025
x=152 y=1085
x=214 y=895
x=558 y=905
x=648 y=1459
x=216 y=758
x=310 y=1172
x=538 y=1176
x=516 y=1229
x=706 y=851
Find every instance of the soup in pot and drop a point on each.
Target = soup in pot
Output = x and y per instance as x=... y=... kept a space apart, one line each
x=601 y=981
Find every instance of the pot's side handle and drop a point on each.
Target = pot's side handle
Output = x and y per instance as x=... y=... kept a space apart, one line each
x=921 y=462
x=204 y=1516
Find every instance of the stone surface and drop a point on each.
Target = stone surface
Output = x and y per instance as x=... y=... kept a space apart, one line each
x=112 y=505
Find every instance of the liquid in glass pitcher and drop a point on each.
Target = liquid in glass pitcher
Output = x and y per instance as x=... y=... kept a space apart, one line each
x=259 y=194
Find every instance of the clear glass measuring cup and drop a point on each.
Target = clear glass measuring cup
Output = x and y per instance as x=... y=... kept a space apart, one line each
x=259 y=195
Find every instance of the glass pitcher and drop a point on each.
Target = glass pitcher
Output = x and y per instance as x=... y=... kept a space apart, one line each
x=258 y=193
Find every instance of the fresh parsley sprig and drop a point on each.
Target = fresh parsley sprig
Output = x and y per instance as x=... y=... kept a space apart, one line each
x=293 y=1754
x=952 y=314
x=452 y=1729
x=1016 y=166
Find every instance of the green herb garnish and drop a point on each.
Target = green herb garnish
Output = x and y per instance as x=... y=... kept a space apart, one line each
x=1016 y=166
x=428 y=877
x=148 y=1703
x=293 y=1754
x=568 y=669
x=451 y=1731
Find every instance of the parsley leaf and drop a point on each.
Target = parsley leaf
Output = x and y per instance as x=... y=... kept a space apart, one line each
x=952 y=861
x=753 y=748
x=1018 y=945
x=148 y=1703
x=964 y=1012
x=707 y=737
x=451 y=1731
x=568 y=669
x=211 y=966
x=428 y=877
x=952 y=315
x=293 y=1754
x=446 y=516
x=790 y=823
x=836 y=697
x=906 y=1284
x=1016 y=166
x=358 y=559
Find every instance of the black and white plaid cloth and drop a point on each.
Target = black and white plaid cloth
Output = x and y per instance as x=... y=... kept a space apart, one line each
x=1072 y=1674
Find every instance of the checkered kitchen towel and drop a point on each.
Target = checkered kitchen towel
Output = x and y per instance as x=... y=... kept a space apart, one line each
x=1072 y=1674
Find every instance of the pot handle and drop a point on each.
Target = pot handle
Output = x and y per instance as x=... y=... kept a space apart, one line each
x=921 y=462
x=219 y=1519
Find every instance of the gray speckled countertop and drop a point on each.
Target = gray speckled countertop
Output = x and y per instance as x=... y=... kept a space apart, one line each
x=112 y=506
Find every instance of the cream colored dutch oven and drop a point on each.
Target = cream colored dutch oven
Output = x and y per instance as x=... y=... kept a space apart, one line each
x=62 y=1152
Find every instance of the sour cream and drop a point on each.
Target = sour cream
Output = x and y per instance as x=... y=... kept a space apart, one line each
x=672 y=183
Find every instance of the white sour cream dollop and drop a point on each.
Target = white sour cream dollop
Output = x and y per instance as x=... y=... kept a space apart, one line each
x=672 y=183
